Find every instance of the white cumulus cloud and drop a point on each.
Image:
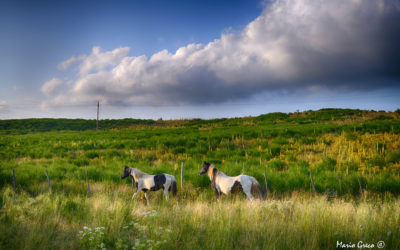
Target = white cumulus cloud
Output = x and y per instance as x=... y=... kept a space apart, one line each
x=293 y=44
x=50 y=87
x=100 y=60
x=67 y=63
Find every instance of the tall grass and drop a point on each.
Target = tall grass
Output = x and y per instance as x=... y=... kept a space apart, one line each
x=300 y=221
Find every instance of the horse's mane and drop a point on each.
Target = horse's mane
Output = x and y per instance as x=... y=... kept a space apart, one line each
x=216 y=170
x=213 y=177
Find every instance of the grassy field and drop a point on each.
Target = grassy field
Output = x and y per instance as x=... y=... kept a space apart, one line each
x=340 y=148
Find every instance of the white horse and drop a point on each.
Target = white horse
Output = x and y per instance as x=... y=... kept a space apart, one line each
x=146 y=182
x=221 y=183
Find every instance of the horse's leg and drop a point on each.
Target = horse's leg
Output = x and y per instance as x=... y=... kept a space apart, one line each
x=218 y=193
x=166 y=193
x=166 y=187
x=137 y=191
x=247 y=191
x=250 y=197
x=147 y=198
x=134 y=195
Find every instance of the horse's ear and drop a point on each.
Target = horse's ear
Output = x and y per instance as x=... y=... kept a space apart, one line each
x=126 y=167
x=205 y=162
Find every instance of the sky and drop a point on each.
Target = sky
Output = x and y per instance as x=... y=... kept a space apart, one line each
x=196 y=59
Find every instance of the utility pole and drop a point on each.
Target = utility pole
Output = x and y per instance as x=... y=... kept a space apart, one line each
x=97 y=120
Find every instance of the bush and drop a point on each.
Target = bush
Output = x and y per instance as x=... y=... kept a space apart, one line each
x=178 y=150
x=351 y=166
x=114 y=154
x=119 y=145
x=280 y=141
x=275 y=150
x=307 y=141
x=326 y=164
x=393 y=157
x=277 y=164
x=81 y=162
x=377 y=161
x=92 y=154
x=351 y=136
x=150 y=157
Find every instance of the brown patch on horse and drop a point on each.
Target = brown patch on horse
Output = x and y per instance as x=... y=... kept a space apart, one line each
x=256 y=189
x=236 y=188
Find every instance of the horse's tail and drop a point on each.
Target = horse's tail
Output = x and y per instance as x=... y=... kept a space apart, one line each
x=174 y=189
x=256 y=188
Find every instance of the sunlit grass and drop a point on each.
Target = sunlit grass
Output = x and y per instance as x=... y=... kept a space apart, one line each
x=300 y=221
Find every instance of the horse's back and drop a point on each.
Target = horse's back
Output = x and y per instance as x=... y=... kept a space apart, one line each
x=171 y=177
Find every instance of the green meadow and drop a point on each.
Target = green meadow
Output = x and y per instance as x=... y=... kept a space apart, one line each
x=352 y=155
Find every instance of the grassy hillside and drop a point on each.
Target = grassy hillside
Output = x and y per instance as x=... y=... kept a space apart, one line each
x=336 y=146
x=340 y=148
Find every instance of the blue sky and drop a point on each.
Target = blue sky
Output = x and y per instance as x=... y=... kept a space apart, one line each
x=202 y=58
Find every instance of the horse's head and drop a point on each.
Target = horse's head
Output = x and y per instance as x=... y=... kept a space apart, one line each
x=126 y=173
x=204 y=168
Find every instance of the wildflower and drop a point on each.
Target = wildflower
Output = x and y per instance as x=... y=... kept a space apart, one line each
x=336 y=233
x=125 y=227
x=85 y=227
x=168 y=230
x=389 y=233
x=80 y=232
x=361 y=226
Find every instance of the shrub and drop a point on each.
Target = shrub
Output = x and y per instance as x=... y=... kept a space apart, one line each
x=351 y=136
x=275 y=150
x=92 y=154
x=393 y=157
x=280 y=141
x=81 y=162
x=277 y=164
x=119 y=145
x=327 y=142
x=307 y=141
x=377 y=161
x=303 y=164
x=150 y=157
x=113 y=153
x=178 y=150
x=351 y=166
x=291 y=157
x=326 y=164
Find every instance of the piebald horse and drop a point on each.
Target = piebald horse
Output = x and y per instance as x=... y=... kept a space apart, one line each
x=221 y=183
x=146 y=182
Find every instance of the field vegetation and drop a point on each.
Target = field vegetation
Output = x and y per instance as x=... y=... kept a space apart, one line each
x=341 y=148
